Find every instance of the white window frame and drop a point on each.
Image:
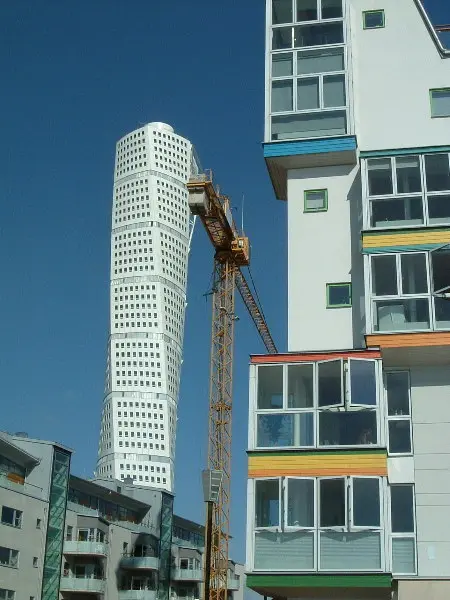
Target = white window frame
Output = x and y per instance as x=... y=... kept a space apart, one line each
x=337 y=528
x=399 y=535
x=349 y=399
x=423 y=194
x=400 y=295
x=273 y=528
x=328 y=407
x=287 y=527
x=352 y=526
x=390 y=418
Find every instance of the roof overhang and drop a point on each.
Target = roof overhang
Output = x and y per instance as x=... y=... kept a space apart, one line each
x=412 y=349
x=283 y=156
x=16 y=454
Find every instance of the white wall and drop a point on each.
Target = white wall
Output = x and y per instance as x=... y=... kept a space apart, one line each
x=320 y=249
x=430 y=396
x=394 y=68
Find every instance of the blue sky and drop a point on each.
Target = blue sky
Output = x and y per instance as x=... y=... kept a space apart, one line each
x=76 y=76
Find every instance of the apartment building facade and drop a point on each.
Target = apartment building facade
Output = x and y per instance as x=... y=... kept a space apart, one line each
x=349 y=475
x=150 y=238
x=64 y=537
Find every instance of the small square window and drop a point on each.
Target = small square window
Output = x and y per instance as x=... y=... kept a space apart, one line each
x=373 y=19
x=316 y=200
x=440 y=102
x=339 y=295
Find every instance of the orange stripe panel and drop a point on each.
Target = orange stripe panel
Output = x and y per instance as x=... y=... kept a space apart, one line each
x=409 y=340
x=312 y=357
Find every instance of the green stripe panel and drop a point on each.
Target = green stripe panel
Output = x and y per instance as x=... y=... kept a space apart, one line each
x=319 y=581
x=403 y=151
x=388 y=249
x=368 y=450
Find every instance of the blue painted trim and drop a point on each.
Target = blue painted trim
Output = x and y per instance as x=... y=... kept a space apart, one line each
x=403 y=151
x=293 y=148
x=390 y=249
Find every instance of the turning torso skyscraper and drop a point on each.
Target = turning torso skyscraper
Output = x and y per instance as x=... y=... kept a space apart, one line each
x=151 y=227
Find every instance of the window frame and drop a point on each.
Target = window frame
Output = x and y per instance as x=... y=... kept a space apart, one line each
x=273 y=528
x=371 y=12
x=401 y=296
x=352 y=526
x=315 y=210
x=446 y=89
x=424 y=194
x=402 y=535
x=389 y=418
x=349 y=398
x=336 y=284
x=17 y=516
x=285 y=503
x=317 y=410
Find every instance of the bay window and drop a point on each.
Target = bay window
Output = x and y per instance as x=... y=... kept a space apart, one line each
x=402 y=288
x=406 y=191
x=308 y=84
x=325 y=523
x=327 y=403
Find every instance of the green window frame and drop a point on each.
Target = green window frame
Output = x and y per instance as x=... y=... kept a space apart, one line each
x=310 y=195
x=333 y=304
x=369 y=13
x=433 y=92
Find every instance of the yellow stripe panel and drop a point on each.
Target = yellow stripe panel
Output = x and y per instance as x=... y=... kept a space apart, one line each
x=411 y=238
x=317 y=465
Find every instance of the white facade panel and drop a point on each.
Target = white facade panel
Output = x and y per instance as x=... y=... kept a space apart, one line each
x=401 y=469
x=394 y=68
x=433 y=558
x=149 y=254
x=319 y=252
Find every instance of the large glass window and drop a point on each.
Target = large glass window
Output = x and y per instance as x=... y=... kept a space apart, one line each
x=325 y=60
x=338 y=397
x=329 y=523
x=407 y=191
x=282 y=64
x=282 y=95
x=282 y=11
x=401 y=276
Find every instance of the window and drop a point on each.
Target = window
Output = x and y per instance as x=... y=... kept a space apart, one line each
x=400 y=276
x=373 y=19
x=316 y=200
x=399 y=412
x=281 y=11
x=406 y=191
x=9 y=557
x=440 y=102
x=403 y=540
x=38 y=523
x=329 y=524
x=35 y=561
x=7 y=594
x=339 y=295
x=340 y=396
x=11 y=516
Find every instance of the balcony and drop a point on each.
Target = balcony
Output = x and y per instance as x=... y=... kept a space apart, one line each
x=137 y=595
x=233 y=583
x=187 y=574
x=82 y=584
x=87 y=548
x=140 y=562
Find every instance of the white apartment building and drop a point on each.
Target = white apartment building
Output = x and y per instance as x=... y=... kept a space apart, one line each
x=349 y=431
x=151 y=227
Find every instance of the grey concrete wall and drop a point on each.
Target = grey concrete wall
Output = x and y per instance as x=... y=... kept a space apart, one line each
x=26 y=580
x=430 y=395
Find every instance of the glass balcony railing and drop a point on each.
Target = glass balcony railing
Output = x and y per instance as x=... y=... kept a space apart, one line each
x=233 y=582
x=139 y=562
x=137 y=594
x=85 y=547
x=82 y=584
x=187 y=574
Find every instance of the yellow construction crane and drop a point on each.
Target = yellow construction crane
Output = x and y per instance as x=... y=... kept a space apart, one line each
x=232 y=251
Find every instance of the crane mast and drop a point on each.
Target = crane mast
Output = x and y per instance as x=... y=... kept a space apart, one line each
x=232 y=251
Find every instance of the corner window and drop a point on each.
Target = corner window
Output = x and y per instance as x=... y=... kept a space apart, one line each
x=339 y=295
x=440 y=102
x=316 y=200
x=373 y=19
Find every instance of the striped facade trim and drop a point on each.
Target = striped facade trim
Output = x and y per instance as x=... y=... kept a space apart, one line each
x=311 y=356
x=409 y=340
x=317 y=464
x=295 y=147
x=375 y=242
x=403 y=151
